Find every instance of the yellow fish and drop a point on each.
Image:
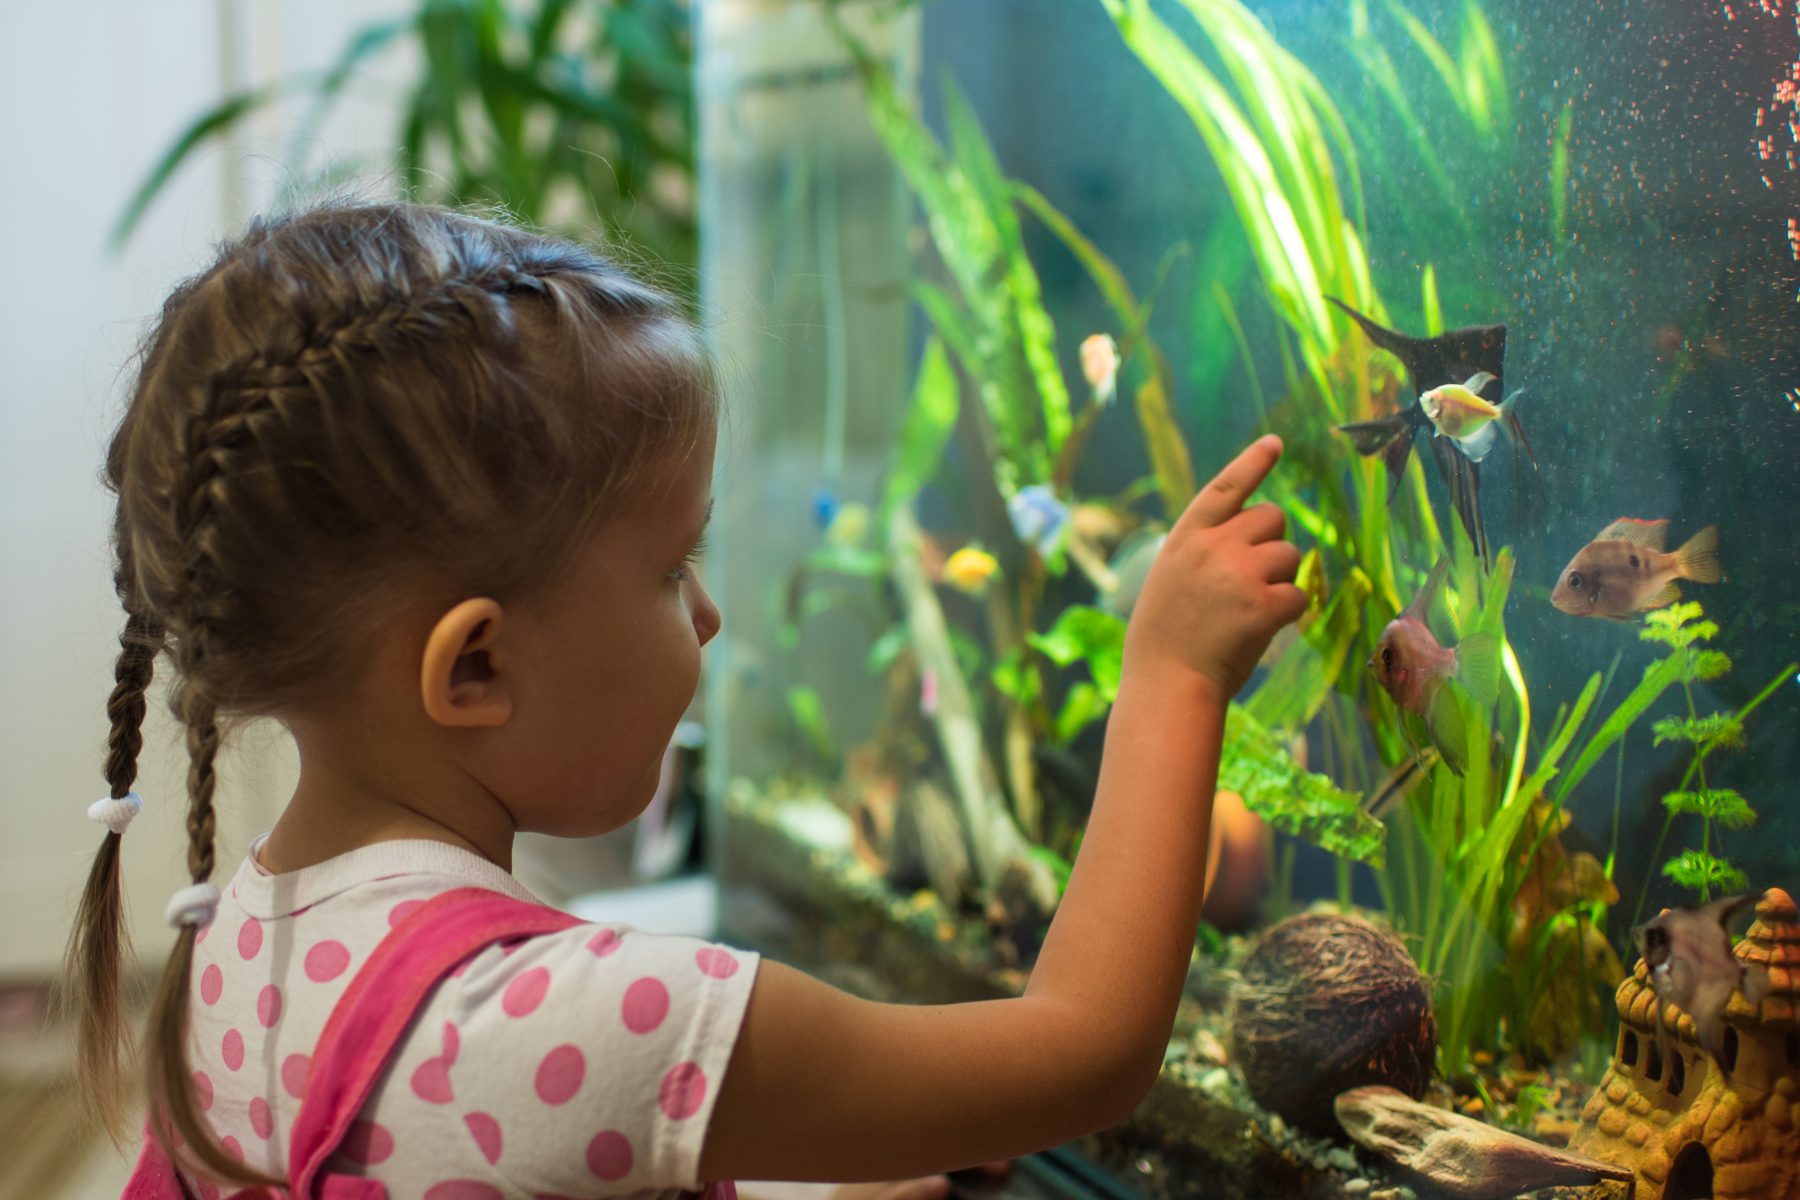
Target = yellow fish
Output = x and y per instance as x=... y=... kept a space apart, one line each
x=969 y=570
x=1458 y=411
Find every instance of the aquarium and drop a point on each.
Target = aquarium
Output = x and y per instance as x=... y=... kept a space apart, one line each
x=1508 y=822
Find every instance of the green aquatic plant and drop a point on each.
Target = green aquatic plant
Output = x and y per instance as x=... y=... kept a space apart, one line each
x=1683 y=629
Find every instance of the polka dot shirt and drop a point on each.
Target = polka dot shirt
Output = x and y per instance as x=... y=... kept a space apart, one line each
x=576 y=1064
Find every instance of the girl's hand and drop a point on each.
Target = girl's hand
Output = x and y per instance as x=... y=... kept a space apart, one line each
x=1223 y=582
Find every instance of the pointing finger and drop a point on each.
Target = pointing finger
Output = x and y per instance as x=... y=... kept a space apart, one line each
x=1221 y=499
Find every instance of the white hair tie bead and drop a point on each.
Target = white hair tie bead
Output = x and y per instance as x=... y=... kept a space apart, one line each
x=192 y=906
x=116 y=814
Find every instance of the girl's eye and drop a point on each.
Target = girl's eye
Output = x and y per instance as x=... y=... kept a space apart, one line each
x=685 y=571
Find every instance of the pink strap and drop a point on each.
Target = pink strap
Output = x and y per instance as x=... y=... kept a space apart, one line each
x=380 y=1004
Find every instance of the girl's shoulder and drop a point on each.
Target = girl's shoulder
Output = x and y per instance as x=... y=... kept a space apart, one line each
x=561 y=1063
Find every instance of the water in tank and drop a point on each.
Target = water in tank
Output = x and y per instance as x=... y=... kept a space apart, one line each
x=996 y=285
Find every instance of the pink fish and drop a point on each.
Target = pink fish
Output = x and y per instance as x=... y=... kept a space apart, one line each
x=1412 y=666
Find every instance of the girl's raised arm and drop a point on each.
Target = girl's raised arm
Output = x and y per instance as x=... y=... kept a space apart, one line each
x=829 y=1087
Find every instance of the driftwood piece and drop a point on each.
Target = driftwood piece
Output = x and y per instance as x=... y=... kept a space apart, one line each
x=928 y=826
x=995 y=841
x=1466 y=1158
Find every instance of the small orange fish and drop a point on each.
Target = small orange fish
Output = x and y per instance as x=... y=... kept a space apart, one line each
x=1412 y=666
x=1625 y=570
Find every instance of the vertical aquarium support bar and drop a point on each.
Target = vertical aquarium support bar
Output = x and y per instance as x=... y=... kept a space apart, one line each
x=837 y=354
x=995 y=842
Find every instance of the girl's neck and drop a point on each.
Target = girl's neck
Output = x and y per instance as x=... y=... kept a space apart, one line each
x=348 y=797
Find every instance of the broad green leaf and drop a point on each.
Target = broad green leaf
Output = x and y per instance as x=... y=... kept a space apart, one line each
x=1256 y=765
x=808 y=712
x=930 y=420
x=1013 y=679
x=886 y=649
x=1082 y=706
x=1094 y=635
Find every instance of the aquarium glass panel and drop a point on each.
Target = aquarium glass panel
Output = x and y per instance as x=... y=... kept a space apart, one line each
x=1508 y=821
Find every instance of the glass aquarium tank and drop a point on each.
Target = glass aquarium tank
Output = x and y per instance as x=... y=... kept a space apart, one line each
x=1508 y=829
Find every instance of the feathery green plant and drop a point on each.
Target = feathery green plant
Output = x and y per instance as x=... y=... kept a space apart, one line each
x=1680 y=627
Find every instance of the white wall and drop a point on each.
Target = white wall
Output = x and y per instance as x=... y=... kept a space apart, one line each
x=91 y=91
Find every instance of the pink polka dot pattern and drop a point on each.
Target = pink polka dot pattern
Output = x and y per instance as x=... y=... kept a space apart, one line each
x=201 y=936
x=326 y=961
x=249 y=938
x=293 y=1075
x=212 y=984
x=268 y=1006
x=463 y=1189
x=403 y=910
x=486 y=1132
x=683 y=1091
x=609 y=1155
x=559 y=1075
x=525 y=993
x=605 y=942
x=720 y=964
x=203 y=1090
x=646 y=1004
x=261 y=1119
x=233 y=1049
x=452 y=1043
x=233 y=1147
x=366 y=1143
x=431 y=1081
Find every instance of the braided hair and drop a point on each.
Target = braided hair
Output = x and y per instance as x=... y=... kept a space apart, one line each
x=353 y=402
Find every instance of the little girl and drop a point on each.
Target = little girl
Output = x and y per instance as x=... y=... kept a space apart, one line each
x=428 y=490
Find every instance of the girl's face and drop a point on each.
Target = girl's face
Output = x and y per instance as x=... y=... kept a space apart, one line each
x=606 y=661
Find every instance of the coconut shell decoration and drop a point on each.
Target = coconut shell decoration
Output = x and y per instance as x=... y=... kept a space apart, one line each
x=1329 y=1003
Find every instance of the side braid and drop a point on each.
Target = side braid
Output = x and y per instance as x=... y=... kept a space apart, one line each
x=100 y=943
x=212 y=438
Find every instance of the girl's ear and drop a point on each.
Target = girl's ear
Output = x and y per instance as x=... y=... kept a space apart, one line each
x=461 y=677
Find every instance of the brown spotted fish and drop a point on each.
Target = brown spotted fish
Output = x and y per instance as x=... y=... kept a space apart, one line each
x=1625 y=570
x=1412 y=667
x=1688 y=952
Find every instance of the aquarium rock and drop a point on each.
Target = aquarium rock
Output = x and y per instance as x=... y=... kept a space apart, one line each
x=1330 y=1002
x=1458 y=1155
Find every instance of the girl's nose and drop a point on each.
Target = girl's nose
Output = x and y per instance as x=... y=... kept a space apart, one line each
x=706 y=615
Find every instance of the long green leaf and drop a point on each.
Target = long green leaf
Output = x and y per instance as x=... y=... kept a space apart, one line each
x=1657 y=678
x=930 y=420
